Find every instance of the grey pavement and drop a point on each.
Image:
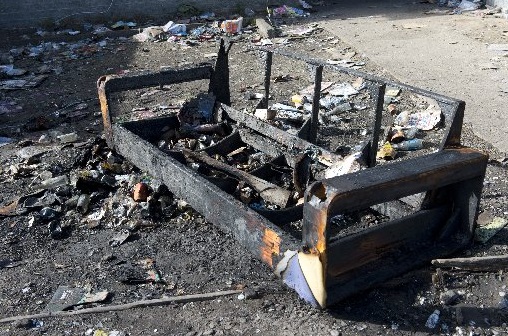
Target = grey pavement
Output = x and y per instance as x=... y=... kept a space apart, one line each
x=448 y=54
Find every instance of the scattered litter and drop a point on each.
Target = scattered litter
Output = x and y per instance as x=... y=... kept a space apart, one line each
x=123 y=25
x=309 y=90
x=425 y=120
x=25 y=83
x=120 y=238
x=9 y=70
x=232 y=26
x=498 y=47
x=343 y=89
x=66 y=297
x=408 y=145
x=141 y=191
x=288 y=11
x=348 y=165
x=392 y=92
x=175 y=28
x=265 y=114
x=386 y=152
x=433 y=319
x=484 y=233
x=466 y=5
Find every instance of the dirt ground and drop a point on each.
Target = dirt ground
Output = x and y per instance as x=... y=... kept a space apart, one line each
x=184 y=253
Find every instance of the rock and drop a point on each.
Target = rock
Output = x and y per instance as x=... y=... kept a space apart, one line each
x=48 y=213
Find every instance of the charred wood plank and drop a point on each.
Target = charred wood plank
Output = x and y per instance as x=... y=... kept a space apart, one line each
x=148 y=79
x=268 y=191
x=488 y=263
x=374 y=243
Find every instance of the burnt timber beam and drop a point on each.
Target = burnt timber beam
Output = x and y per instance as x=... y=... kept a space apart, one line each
x=110 y=84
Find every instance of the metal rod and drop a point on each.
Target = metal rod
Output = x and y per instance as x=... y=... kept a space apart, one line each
x=380 y=94
x=268 y=74
x=318 y=77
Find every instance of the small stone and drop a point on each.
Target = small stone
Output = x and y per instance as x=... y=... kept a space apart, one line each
x=334 y=333
x=48 y=213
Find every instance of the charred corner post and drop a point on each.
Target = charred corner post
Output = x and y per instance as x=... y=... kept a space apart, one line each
x=321 y=265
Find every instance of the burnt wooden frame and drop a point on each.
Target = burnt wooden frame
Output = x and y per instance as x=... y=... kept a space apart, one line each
x=450 y=178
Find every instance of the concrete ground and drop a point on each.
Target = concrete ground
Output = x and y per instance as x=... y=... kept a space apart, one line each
x=448 y=54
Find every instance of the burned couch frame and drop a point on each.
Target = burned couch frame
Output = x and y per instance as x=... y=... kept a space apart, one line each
x=322 y=268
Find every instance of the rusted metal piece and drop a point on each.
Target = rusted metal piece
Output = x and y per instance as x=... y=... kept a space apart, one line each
x=321 y=264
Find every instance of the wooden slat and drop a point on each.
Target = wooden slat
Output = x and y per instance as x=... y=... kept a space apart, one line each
x=148 y=79
x=362 y=189
x=374 y=243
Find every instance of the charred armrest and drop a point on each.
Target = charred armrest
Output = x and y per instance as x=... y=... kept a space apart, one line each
x=328 y=269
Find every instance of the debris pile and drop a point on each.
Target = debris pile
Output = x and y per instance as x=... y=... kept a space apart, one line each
x=97 y=190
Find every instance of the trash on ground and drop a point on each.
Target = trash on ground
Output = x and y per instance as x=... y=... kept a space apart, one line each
x=22 y=83
x=232 y=26
x=123 y=25
x=66 y=297
x=175 y=28
x=342 y=89
x=466 y=5
x=120 y=238
x=484 y=233
x=433 y=320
